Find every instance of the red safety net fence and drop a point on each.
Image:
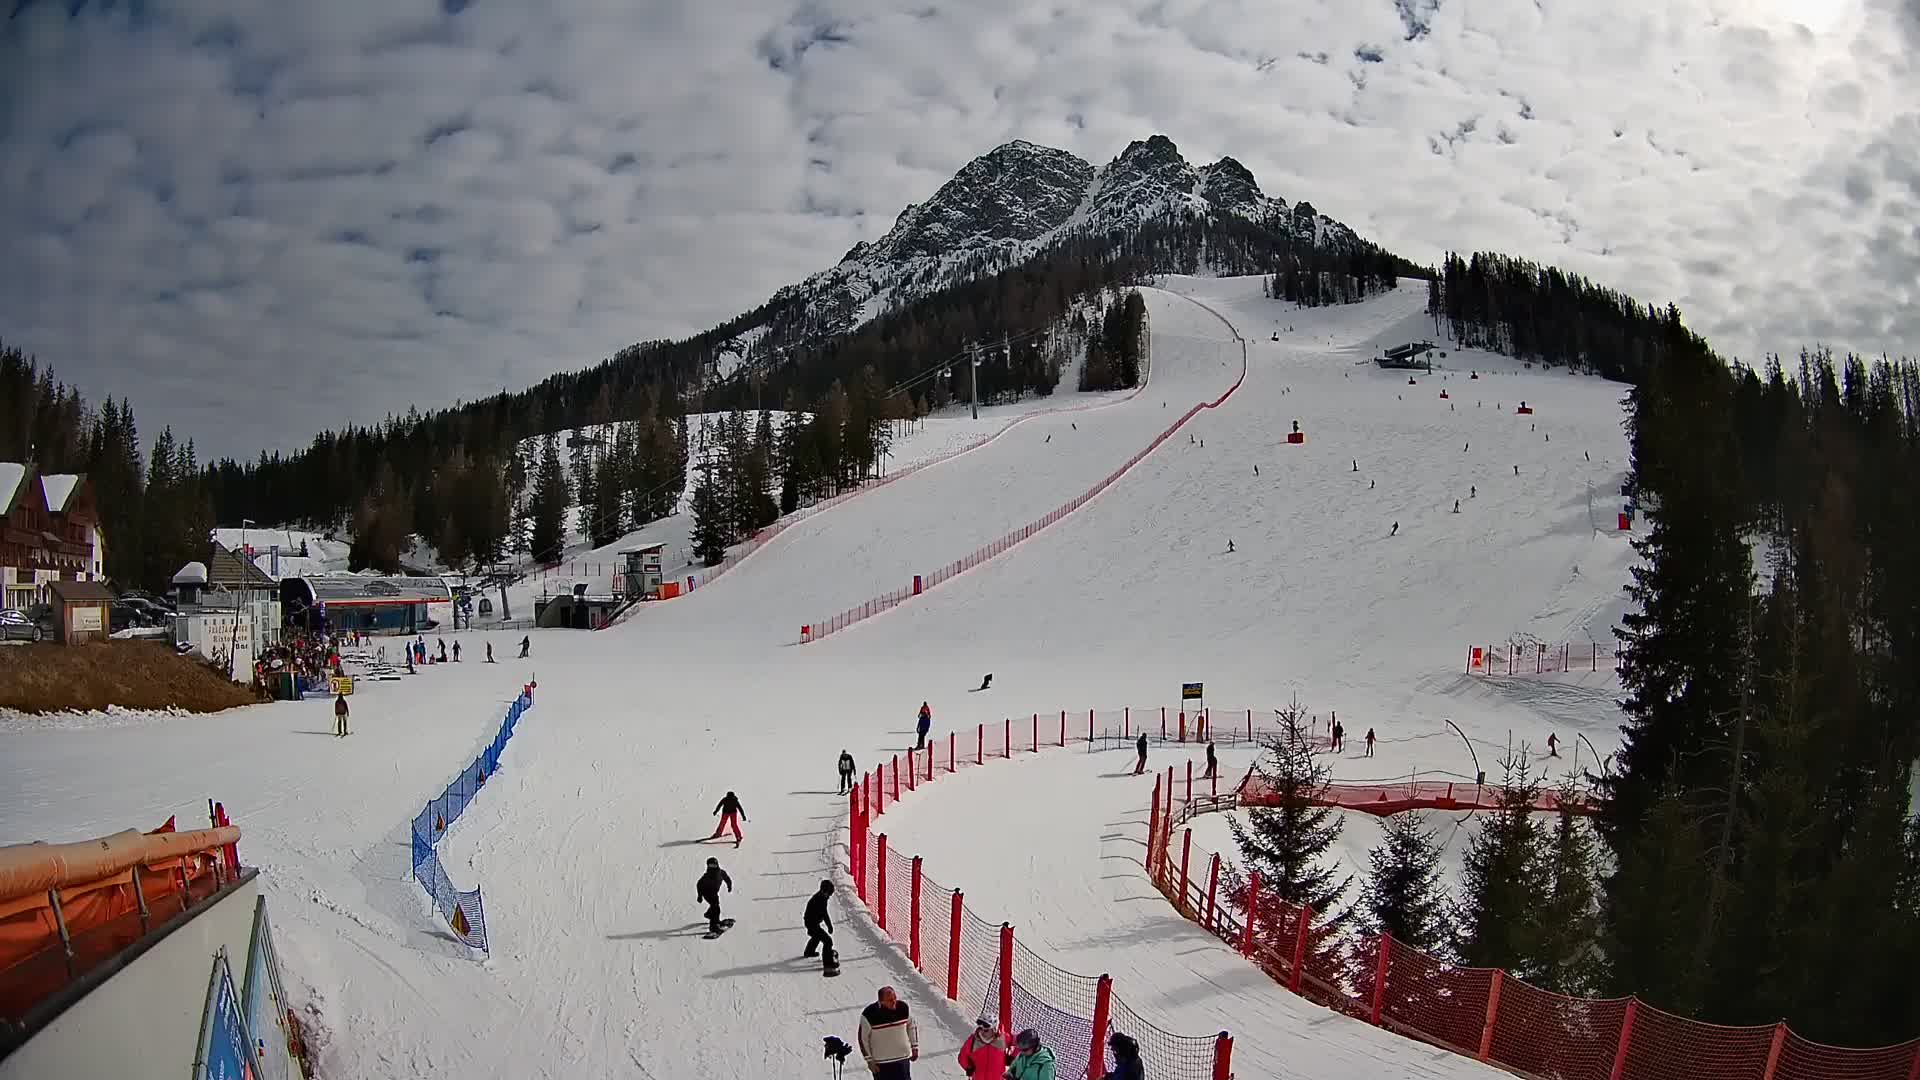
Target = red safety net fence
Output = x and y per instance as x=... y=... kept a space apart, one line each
x=1542 y=658
x=1482 y=1013
x=814 y=631
x=975 y=961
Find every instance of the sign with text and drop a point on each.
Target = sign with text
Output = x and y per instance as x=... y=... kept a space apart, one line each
x=226 y=1053
x=86 y=618
x=1191 y=691
x=342 y=684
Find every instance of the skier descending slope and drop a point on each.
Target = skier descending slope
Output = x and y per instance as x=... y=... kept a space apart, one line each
x=708 y=891
x=731 y=815
x=819 y=924
x=846 y=772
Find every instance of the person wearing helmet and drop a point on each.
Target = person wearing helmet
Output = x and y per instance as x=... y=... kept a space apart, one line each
x=984 y=1055
x=1031 y=1061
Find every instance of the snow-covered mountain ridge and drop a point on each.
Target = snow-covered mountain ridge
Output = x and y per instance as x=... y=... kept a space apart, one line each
x=1016 y=202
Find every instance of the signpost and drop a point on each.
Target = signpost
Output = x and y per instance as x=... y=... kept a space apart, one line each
x=341 y=684
x=1195 y=692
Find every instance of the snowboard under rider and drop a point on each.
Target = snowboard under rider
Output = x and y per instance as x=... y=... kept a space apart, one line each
x=708 y=891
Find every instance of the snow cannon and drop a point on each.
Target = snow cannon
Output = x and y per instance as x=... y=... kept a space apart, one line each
x=1524 y=410
x=1296 y=436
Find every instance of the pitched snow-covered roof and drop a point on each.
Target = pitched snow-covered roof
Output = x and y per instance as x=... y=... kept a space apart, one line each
x=194 y=573
x=59 y=487
x=11 y=473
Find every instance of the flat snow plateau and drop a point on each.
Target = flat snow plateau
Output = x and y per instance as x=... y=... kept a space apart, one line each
x=586 y=841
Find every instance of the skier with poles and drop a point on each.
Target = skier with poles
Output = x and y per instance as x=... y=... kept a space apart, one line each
x=819 y=924
x=708 y=892
x=1141 y=766
x=1213 y=763
x=731 y=815
x=526 y=645
x=846 y=772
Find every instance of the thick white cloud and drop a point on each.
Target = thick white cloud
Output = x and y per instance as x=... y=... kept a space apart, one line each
x=260 y=219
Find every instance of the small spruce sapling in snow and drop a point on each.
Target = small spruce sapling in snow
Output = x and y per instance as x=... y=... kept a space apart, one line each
x=1504 y=879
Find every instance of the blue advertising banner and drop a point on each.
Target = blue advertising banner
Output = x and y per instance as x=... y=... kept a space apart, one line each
x=226 y=1052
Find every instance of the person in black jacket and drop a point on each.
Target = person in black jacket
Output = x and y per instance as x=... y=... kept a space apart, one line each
x=708 y=891
x=819 y=924
x=846 y=772
x=731 y=815
x=1141 y=766
x=1126 y=1058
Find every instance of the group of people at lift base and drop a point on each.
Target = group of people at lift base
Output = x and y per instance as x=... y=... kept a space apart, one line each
x=889 y=1044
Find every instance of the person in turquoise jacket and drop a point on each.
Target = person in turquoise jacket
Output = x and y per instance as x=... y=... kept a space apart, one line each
x=1031 y=1061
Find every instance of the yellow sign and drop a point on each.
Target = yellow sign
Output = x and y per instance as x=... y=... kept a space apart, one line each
x=342 y=684
x=459 y=922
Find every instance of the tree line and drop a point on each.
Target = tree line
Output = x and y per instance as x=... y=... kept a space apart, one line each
x=155 y=509
x=1547 y=315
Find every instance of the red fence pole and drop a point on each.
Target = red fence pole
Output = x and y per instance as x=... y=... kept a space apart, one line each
x=853 y=835
x=1163 y=723
x=1036 y=733
x=1213 y=886
x=1089 y=725
x=1626 y=1038
x=1063 y=727
x=1183 y=725
x=1006 y=979
x=1493 y=1013
x=1253 y=912
x=1380 y=978
x=952 y=739
x=1126 y=722
x=953 y=949
x=913 y=769
x=1153 y=823
x=881 y=911
x=1102 y=1011
x=1169 y=791
x=879 y=793
x=913 y=935
x=1223 y=1057
x=1773 y=1051
x=1186 y=853
x=1189 y=781
x=1300 y=945
x=1249 y=725
x=980 y=745
x=896 y=778
x=1006 y=734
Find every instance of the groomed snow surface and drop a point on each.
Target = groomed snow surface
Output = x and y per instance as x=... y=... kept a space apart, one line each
x=587 y=841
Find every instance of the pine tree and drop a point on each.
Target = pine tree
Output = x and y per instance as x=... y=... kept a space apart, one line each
x=550 y=501
x=1288 y=843
x=1569 y=927
x=711 y=533
x=1402 y=895
x=605 y=517
x=1503 y=880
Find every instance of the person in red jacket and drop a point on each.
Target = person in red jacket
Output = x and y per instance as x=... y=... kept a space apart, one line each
x=984 y=1055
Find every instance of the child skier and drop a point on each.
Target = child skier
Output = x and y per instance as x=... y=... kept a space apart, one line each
x=731 y=815
x=925 y=725
x=340 y=714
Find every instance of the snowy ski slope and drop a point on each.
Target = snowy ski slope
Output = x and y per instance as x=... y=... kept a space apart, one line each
x=585 y=843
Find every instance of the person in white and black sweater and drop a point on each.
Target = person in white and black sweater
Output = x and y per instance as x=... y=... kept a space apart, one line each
x=889 y=1039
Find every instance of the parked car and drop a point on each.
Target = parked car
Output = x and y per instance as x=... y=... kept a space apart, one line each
x=17 y=625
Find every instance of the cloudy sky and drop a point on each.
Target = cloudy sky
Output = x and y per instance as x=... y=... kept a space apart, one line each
x=260 y=219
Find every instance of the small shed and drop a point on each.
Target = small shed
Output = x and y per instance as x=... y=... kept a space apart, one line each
x=80 y=610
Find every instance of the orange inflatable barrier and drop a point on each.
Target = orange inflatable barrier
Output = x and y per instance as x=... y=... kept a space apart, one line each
x=26 y=869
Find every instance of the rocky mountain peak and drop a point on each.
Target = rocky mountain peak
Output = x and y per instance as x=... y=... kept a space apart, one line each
x=1015 y=192
x=1227 y=184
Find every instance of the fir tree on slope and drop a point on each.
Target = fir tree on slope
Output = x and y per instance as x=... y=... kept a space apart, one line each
x=1402 y=895
x=1289 y=843
x=711 y=533
x=1504 y=881
x=550 y=501
x=1569 y=931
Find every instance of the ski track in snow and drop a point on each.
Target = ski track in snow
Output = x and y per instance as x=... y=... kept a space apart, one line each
x=586 y=842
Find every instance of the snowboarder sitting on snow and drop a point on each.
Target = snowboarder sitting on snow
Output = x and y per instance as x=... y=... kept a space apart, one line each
x=846 y=772
x=926 y=725
x=1141 y=766
x=731 y=815
x=819 y=926
x=984 y=1055
x=708 y=891
x=1126 y=1058
x=889 y=1039
x=1031 y=1060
